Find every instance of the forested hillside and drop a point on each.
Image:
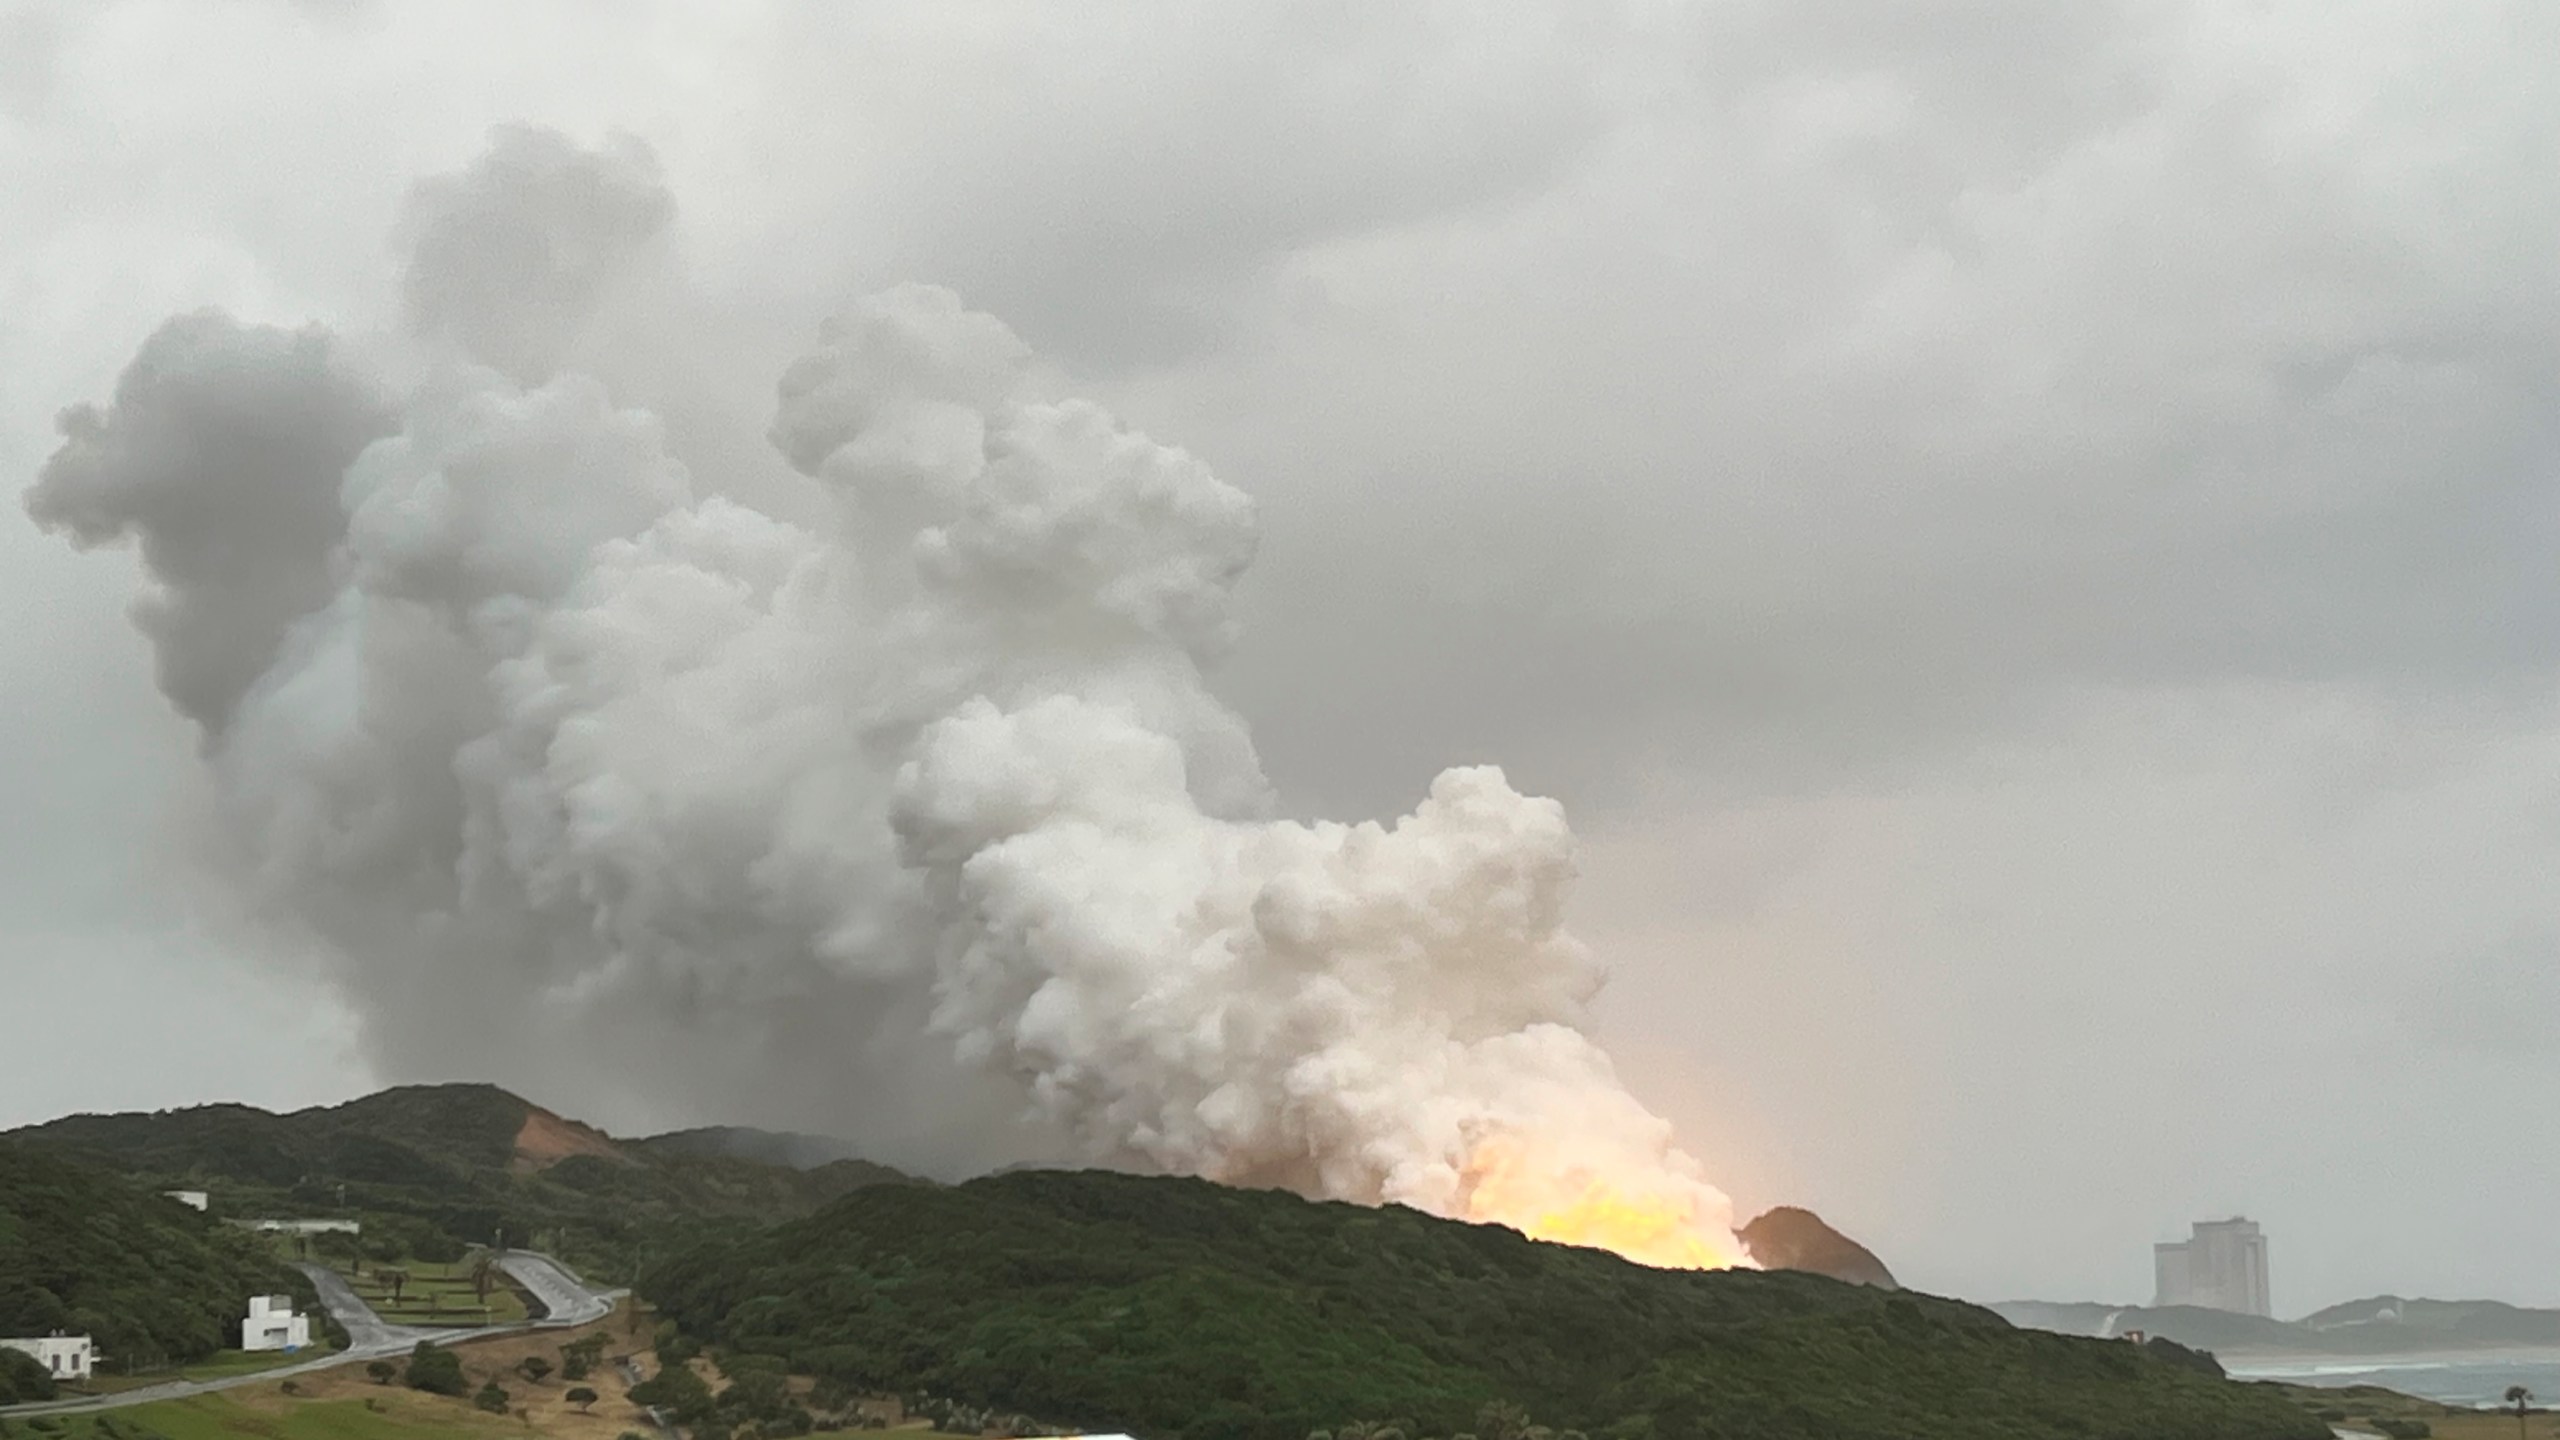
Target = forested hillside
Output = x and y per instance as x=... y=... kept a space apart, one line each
x=430 y=1169
x=1178 y=1308
x=89 y=1252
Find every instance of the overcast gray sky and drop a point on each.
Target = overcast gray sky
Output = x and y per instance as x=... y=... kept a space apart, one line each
x=2020 y=532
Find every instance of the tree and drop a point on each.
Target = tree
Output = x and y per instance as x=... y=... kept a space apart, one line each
x=533 y=1368
x=580 y=1396
x=382 y=1372
x=438 y=1372
x=2519 y=1397
x=677 y=1390
x=491 y=1399
x=578 y=1358
x=483 y=1276
x=398 y=1280
x=22 y=1379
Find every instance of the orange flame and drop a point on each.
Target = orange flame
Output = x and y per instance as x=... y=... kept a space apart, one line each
x=1666 y=1220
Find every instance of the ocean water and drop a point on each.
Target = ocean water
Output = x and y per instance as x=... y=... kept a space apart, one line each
x=2475 y=1379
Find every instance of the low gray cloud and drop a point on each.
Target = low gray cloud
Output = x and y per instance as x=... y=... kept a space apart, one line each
x=510 y=258
x=222 y=453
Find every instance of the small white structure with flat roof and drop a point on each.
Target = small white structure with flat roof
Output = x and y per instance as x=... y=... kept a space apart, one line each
x=64 y=1357
x=272 y=1325
x=302 y=1227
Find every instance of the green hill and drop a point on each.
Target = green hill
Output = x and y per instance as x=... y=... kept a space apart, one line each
x=1175 y=1307
x=91 y=1253
x=766 y=1147
x=430 y=1169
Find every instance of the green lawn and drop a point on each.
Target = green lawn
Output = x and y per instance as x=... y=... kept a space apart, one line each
x=220 y=1365
x=436 y=1295
x=220 y=1417
x=223 y=1364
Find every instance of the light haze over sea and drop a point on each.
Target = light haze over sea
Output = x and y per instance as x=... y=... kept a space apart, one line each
x=2458 y=1379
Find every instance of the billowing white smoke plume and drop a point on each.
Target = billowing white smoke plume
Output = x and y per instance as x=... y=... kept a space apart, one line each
x=570 y=757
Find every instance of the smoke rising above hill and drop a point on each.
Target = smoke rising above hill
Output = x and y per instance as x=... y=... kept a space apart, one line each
x=919 y=819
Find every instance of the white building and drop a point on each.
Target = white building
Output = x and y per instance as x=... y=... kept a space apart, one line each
x=192 y=1199
x=303 y=1227
x=64 y=1357
x=272 y=1325
x=2221 y=1265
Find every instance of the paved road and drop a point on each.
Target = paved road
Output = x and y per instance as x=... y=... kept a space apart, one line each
x=368 y=1334
x=565 y=1298
x=370 y=1337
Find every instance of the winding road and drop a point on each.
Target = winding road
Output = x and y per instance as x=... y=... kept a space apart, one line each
x=566 y=1300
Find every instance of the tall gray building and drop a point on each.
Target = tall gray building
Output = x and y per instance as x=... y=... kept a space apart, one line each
x=2222 y=1265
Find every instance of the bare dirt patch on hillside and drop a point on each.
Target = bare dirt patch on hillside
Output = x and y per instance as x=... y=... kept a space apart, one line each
x=545 y=1140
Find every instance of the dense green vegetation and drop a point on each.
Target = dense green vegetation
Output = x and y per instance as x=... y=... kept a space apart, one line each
x=432 y=1169
x=23 y=1378
x=88 y=1252
x=1179 y=1308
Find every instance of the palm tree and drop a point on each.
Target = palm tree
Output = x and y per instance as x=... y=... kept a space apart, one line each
x=2519 y=1397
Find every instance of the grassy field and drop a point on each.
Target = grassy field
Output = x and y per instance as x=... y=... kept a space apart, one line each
x=436 y=1295
x=221 y=1365
x=224 y=1364
x=268 y=1415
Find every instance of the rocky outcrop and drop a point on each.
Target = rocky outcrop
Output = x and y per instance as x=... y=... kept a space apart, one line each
x=1787 y=1238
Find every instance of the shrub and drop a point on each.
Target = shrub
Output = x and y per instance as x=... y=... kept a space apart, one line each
x=381 y=1372
x=23 y=1379
x=438 y=1372
x=580 y=1396
x=491 y=1399
x=533 y=1368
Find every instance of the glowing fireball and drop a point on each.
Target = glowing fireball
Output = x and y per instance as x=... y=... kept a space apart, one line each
x=1663 y=1215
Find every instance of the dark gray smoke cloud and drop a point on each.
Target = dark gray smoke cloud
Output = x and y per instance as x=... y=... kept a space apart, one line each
x=222 y=452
